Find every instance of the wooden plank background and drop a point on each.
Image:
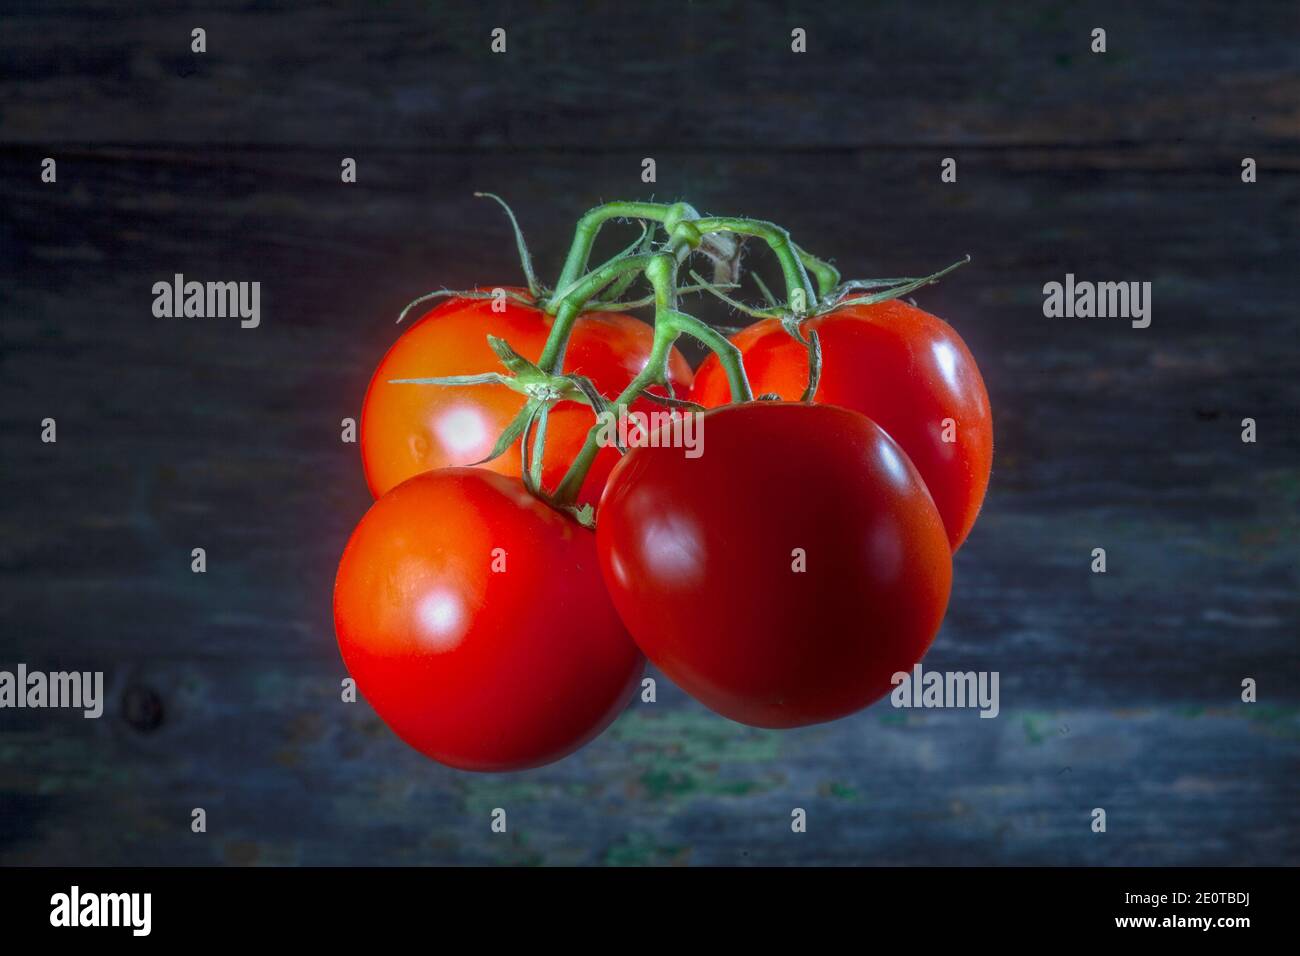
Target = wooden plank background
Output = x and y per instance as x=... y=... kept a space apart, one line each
x=1120 y=691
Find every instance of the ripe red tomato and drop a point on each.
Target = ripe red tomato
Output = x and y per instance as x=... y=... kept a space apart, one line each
x=701 y=557
x=407 y=429
x=905 y=369
x=480 y=658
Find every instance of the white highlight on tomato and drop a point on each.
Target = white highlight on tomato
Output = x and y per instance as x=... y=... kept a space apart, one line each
x=945 y=356
x=442 y=620
x=893 y=464
x=464 y=432
x=672 y=547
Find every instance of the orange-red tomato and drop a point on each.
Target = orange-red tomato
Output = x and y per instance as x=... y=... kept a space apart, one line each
x=473 y=618
x=906 y=370
x=408 y=429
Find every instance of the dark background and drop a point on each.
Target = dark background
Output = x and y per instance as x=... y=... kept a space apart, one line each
x=1118 y=690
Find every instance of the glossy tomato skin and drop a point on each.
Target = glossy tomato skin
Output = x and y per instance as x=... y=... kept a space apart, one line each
x=481 y=669
x=905 y=369
x=699 y=557
x=407 y=429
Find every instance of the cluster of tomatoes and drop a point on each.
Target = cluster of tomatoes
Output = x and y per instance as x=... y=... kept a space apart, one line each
x=782 y=576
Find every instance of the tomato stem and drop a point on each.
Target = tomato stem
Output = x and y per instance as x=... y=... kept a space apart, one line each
x=539 y=448
x=814 y=366
x=828 y=277
x=686 y=231
x=778 y=240
x=584 y=236
x=571 y=300
x=603 y=287
x=670 y=323
x=628 y=304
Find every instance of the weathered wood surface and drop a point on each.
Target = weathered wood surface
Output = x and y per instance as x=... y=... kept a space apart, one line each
x=1118 y=691
x=420 y=75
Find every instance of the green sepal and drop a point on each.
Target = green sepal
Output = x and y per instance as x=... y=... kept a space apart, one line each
x=515 y=363
x=584 y=515
x=768 y=297
x=681 y=403
x=525 y=258
x=487 y=378
x=517 y=427
x=465 y=294
x=814 y=366
x=793 y=325
x=892 y=292
x=597 y=401
x=715 y=289
x=529 y=467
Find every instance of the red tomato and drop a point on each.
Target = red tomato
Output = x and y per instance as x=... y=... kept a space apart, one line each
x=407 y=429
x=905 y=369
x=701 y=557
x=474 y=621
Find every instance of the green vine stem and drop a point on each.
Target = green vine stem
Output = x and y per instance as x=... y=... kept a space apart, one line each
x=575 y=295
x=584 y=235
x=778 y=240
x=542 y=381
x=627 y=305
x=686 y=230
x=670 y=323
x=533 y=468
x=814 y=366
x=828 y=277
x=603 y=286
x=570 y=303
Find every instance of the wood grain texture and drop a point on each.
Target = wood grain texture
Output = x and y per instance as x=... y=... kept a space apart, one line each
x=1119 y=691
x=421 y=75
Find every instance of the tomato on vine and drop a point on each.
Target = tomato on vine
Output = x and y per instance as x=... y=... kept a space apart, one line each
x=904 y=368
x=407 y=429
x=784 y=575
x=473 y=619
x=781 y=572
